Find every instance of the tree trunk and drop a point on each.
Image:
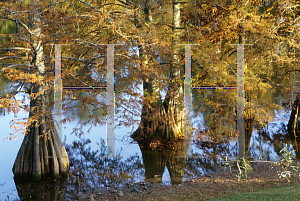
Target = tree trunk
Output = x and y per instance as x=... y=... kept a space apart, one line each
x=42 y=152
x=294 y=125
x=163 y=119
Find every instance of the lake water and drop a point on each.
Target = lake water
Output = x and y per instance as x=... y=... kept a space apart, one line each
x=126 y=148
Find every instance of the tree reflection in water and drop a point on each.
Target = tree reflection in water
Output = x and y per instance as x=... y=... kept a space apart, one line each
x=275 y=140
x=89 y=170
x=48 y=190
x=212 y=150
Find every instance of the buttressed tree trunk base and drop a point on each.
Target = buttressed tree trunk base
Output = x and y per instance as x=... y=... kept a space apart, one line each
x=42 y=153
x=165 y=121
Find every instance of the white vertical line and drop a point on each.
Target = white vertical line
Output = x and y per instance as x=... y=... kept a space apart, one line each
x=110 y=136
x=188 y=101
x=188 y=131
x=58 y=91
x=240 y=101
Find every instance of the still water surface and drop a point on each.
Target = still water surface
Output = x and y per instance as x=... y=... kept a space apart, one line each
x=137 y=165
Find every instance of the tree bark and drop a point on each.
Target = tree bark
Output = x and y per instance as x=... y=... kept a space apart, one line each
x=40 y=143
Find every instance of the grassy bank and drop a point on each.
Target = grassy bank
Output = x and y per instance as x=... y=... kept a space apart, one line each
x=282 y=193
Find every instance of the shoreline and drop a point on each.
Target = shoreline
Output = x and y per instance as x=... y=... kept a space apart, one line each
x=208 y=186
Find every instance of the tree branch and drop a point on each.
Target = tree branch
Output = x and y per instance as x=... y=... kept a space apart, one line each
x=11 y=57
x=15 y=48
x=89 y=5
x=93 y=44
x=15 y=20
x=79 y=80
x=226 y=53
x=72 y=58
x=12 y=93
x=13 y=66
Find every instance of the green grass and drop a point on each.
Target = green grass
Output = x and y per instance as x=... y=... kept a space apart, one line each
x=282 y=193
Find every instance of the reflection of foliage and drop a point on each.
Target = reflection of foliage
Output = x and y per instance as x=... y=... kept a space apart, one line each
x=264 y=154
x=93 y=170
x=6 y=27
x=83 y=111
x=275 y=141
x=213 y=151
x=198 y=160
x=258 y=144
x=205 y=142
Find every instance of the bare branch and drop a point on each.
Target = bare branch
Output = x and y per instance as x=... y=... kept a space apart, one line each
x=125 y=4
x=79 y=80
x=14 y=65
x=89 y=5
x=83 y=61
x=50 y=41
x=175 y=27
x=6 y=64
x=11 y=57
x=52 y=4
x=127 y=109
x=93 y=44
x=15 y=20
x=12 y=93
x=15 y=48
x=220 y=6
